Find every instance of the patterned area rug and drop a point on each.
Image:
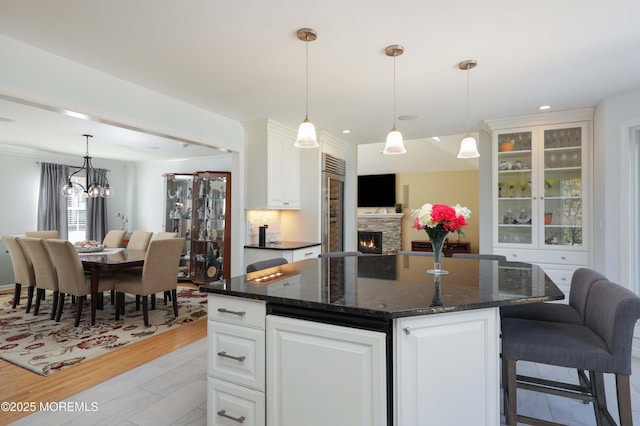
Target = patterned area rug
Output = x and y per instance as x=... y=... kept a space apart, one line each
x=45 y=346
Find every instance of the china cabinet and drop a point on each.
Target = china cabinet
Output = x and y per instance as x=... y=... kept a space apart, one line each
x=541 y=186
x=198 y=208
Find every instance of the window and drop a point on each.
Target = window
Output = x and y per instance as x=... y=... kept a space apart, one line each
x=77 y=213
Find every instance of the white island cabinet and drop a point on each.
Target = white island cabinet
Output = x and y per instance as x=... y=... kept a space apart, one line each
x=446 y=369
x=321 y=374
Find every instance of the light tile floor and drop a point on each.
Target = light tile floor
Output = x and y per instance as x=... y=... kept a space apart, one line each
x=172 y=390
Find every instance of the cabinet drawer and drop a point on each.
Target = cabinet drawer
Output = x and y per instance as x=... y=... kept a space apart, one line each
x=236 y=310
x=236 y=354
x=557 y=257
x=230 y=405
x=306 y=253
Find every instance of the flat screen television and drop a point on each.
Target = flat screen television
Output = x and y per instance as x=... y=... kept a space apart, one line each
x=377 y=190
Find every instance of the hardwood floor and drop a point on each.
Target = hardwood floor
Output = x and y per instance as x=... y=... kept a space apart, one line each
x=20 y=385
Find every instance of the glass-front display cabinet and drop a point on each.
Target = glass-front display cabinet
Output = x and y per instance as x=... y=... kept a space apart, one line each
x=540 y=186
x=198 y=208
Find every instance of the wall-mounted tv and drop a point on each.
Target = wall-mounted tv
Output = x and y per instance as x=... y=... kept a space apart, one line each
x=377 y=190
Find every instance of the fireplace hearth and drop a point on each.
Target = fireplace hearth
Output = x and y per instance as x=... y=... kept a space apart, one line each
x=370 y=242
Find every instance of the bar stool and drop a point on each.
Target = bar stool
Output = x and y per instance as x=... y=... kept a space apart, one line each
x=601 y=345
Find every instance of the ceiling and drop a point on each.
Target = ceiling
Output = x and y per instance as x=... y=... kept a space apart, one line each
x=241 y=59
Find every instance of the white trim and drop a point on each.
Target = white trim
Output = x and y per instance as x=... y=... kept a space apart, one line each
x=629 y=150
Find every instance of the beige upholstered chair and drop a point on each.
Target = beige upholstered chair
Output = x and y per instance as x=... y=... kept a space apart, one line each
x=42 y=234
x=139 y=240
x=71 y=277
x=165 y=235
x=114 y=238
x=22 y=269
x=159 y=274
x=44 y=271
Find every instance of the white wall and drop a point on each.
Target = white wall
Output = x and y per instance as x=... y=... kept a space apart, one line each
x=610 y=114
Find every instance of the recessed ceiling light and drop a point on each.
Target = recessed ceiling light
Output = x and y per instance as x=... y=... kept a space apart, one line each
x=407 y=117
x=346 y=131
x=435 y=138
x=544 y=107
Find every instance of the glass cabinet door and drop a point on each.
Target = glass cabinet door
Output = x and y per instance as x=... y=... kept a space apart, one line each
x=209 y=226
x=178 y=215
x=563 y=186
x=516 y=177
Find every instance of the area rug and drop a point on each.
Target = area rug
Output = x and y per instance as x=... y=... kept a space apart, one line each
x=45 y=346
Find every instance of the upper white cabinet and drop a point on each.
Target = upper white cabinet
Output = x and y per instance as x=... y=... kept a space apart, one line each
x=541 y=190
x=273 y=166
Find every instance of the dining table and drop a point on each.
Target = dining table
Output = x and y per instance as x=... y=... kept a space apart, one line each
x=108 y=260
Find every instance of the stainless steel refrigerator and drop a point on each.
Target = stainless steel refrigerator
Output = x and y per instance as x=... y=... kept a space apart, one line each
x=333 y=172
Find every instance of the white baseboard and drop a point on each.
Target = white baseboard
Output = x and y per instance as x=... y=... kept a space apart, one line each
x=7 y=287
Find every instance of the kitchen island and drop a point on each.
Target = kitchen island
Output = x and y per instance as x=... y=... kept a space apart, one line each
x=370 y=340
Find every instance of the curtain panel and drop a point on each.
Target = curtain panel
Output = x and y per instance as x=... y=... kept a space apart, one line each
x=97 y=208
x=52 y=205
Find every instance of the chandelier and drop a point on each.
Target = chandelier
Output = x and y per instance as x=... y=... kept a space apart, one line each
x=92 y=190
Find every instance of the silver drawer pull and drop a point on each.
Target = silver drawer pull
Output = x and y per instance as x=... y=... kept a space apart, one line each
x=223 y=413
x=237 y=358
x=226 y=311
x=308 y=254
x=407 y=330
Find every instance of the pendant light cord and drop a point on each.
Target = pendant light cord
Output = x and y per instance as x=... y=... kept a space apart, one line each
x=394 y=89
x=468 y=102
x=306 y=108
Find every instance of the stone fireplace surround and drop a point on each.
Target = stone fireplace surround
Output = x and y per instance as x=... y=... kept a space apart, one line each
x=387 y=223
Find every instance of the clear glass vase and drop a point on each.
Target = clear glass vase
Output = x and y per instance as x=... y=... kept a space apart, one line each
x=437 y=237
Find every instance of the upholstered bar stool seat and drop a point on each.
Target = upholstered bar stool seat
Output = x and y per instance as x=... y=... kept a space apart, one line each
x=601 y=345
x=264 y=264
x=581 y=282
x=480 y=256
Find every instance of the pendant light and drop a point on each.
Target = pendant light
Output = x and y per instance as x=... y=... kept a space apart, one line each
x=307 y=132
x=394 y=144
x=468 y=147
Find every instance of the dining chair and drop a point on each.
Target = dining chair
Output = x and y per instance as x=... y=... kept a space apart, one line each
x=159 y=274
x=23 y=274
x=165 y=235
x=71 y=277
x=42 y=234
x=139 y=240
x=264 y=264
x=480 y=256
x=340 y=254
x=44 y=272
x=602 y=345
x=114 y=238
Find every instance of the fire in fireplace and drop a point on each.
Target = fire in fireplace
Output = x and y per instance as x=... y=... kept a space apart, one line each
x=370 y=242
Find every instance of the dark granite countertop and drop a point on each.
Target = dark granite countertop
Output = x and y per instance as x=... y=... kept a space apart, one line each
x=282 y=245
x=386 y=287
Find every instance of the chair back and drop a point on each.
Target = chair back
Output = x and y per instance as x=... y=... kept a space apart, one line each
x=340 y=254
x=165 y=235
x=264 y=264
x=139 y=240
x=114 y=238
x=612 y=312
x=20 y=260
x=71 y=278
x=42 y=234
x=581 y=282
x=160 y=270
x=43 y=268
x=415 y=253
x=481 y=256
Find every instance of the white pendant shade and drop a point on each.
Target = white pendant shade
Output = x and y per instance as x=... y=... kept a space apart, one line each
x=306 y=135
x=468 y=148
x=394 y=144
